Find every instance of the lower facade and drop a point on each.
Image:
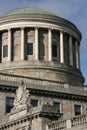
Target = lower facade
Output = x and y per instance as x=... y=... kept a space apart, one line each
x=41 y=106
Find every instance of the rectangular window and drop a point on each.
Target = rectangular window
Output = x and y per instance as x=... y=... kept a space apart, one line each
x=29 y=48
x=54 y=51
x=9 y=104
x=5 y=51
x=34 y=103
x=56 y=105
x=77 y=109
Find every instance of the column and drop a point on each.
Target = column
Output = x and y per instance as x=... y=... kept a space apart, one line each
x=50 y=44
x=61 y=48
x=0 y=48
x=36 y=44
x=22 y=43
x=70 y=51
x=77 y=55
x=9 y=45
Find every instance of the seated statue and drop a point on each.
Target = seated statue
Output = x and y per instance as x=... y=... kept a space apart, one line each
x=22 y=98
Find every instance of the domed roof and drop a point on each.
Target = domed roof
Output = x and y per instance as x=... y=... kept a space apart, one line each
x=31 y=10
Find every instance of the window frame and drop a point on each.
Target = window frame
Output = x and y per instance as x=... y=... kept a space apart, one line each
x=30 y=49
x=77 y=112
x=9 y=105
x=56 y=105
x=54 y=51
x=34 y=105
x=5 y=51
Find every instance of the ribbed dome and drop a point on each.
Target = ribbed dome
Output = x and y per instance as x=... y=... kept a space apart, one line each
x=31 y=10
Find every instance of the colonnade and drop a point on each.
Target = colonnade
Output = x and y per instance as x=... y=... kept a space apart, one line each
x=49 y=47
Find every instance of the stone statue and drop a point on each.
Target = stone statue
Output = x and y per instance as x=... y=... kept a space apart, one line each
x=22 y=98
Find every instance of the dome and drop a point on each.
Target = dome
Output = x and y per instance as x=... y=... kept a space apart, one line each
x=37 y=43
x=31 y=10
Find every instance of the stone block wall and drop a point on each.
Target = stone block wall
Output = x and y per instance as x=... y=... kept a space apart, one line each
x=4 y=42
x=29 y=38
x=16 y=45
x=3 y=114
x=43 y=44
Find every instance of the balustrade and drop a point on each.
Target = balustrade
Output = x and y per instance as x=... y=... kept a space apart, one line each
x=66 y=124
x=33 y=81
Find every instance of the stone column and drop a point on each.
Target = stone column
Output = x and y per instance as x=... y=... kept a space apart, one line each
x=36 y=44
x=9 y=45
x=70 y=51
x=22 y=44
x=61 y=48
x=50 y=44
x=0 y=48
x=77 y=55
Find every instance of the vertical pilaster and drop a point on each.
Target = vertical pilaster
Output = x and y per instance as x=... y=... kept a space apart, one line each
x=77 y=55
x=22 y=43
x=61 y=48
x=70 y=51
x=9 y=45
x=36 y=44
x=50 y=44
x=0 y=47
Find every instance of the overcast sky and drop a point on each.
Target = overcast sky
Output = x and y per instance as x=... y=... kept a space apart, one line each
x=73 y=10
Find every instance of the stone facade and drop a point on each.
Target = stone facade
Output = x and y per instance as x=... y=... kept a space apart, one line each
x=42 y=50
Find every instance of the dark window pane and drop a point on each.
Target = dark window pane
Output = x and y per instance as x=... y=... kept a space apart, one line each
x=56 y=105
x=54 y=51
x=5 y=51
x=77 y=109
x=34 y=103
x=29 y=48
x=9 y=104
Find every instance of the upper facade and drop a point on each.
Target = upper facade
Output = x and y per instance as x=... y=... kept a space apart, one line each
x=39 y=44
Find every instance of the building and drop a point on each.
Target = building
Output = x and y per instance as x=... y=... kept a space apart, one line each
x=40 y=49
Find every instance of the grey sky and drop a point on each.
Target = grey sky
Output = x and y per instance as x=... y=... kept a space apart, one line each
x=73 y=10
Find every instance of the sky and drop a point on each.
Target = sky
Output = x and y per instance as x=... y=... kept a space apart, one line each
x=72 y=10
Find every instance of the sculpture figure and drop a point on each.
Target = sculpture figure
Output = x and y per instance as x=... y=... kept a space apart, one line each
x=22 y=98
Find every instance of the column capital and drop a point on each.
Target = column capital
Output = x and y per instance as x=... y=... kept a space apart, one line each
x=9 y=29
x=36 y=27
x=50 y=28
x=22 y=27
x=61 y=31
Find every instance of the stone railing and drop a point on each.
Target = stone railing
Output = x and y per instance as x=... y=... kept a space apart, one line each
x=57 y=125
x=41 y=82
x=77 y=121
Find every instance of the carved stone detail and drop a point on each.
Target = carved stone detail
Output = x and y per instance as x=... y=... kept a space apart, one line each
x=22 y=98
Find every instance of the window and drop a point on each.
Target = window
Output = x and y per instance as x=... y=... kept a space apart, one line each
x=34 y=103
x=5 y=51
x=29 y=48
x=56 y=105
x=77 y=109
x=9 y=104
x=54 y=51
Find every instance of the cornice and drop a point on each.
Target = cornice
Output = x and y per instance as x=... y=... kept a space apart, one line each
x=29 y=116
x=42 y=18
x=62 y=93
x=52 y=66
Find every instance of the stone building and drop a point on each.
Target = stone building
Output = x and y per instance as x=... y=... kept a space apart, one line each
x=40 y=49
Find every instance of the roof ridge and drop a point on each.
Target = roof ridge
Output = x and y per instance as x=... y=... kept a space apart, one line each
x=30 y=10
